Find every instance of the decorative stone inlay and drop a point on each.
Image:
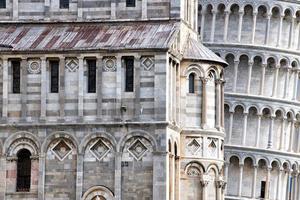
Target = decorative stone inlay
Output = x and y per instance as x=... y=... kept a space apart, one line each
x=99 y=149
x=72 y=64
x=34 y=67
x=147 y=62
x=109 y=64
x=212 y=143
x=193 y=146
x=61 y=149
x=137 y=149
x=98 y=198
x=193 y=172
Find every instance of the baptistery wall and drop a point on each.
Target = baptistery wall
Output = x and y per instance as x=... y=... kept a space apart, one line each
x=260 y=40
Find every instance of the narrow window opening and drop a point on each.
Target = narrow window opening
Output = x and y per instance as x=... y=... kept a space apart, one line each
x=129 y=74
x=64 y=4
x=91 y=76
x=16 y=76
x=262 y=189
x=192 y=83
x=23 y=171
x=54 y=76
x=130 y=3
x=2 y=3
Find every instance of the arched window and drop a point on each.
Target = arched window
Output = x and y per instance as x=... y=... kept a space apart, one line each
x=23 y=171
x=192 y=83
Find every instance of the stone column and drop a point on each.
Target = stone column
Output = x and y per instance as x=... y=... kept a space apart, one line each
x=296 y=85
x=244 y=128
x=227 y=13
x=298 y=133
x=220 y=185
x=113 y=9
x=250 y=63
x=204 y=103
x=218 y=104
x=268 y=178
x=271 y=135
x=288 y=185
x=262 y=83
x=291 y=38
x=43 y=88
x=241 y=14
x=236 y=66
x=268 y=28
x=204 y=183
x=298 y=46
x=258 y=130
x=278 y=190
x=118 y=174
x=292 y=136
x=160 y=160
x=230 y=126
x=241 y=166
x=5 y=89
x=222 y=105
x=137 y=88
x=80 y=88
x=144 y=9
x=275 y=81
x=279 y=30
x=15 y=10
x=41 y=183
x=99 y=87
x=79 y=10
x=254 y=26
x=253 y=191
x=202 y=24
x=213 y=25
x=62 y=88
x=295 y=185
x=79 y=176
x=23 y=88
x=282 y=135
x=286 y=83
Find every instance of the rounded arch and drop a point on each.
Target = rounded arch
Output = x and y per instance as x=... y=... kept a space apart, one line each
x=251 y=157
x=92 y=136
x=214 y=70
x=213 y=167
x=135 y=133
x=194 y=68
x=236 y=105
x=194 y=165
x=252 y=107
x=98 y=191
x=19 y=140
x=57 y=135
x=267 y=110
x=278 y=7
x=277 y=161
x=263 y=159
x=232 y=156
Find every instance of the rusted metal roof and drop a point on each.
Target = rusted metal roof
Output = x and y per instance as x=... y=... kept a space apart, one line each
x=96 y=36
x=196 y=51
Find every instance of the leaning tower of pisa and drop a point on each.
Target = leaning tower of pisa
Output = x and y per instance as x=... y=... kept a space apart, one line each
x=260 y=40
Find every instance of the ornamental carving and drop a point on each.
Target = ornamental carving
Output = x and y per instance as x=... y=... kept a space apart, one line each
x=34 y=67
x=61 y=149
x=193 y=146
x=22 y=143
x=99 y=149
x=147 y=63
x=109 y=64
x=137 y=149
x=72 y=64
x=193 y=172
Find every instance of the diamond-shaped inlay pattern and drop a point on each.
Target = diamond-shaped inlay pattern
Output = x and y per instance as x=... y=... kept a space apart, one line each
x=98 y=198
x=148 y=63
x=61 y=150
x=72 y=64
x=137 y=149
x=99 y=149
x=194 y=146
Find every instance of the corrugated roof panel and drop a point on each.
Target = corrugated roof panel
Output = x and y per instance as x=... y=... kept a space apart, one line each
x=39 y=37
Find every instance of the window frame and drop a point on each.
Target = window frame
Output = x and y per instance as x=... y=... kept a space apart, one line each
x=54 y=79
x=91 y=81
x=2 y=4
x=23 y=182
x=130 y=3
x=16 y=77
x=64 y=4
x=129 y=78
x=191 y=83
